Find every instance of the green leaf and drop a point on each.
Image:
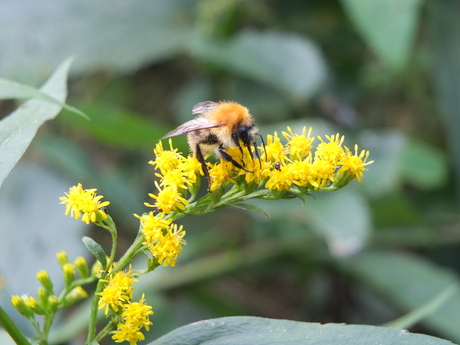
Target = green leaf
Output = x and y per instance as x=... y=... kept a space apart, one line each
x=116 y=126
x=444 y=32
x=12 y=90
x=388 y=27
x=18 y=129
x=96 y=249
x=343 y=218
x=420 y=313
x=141 y=32
x=290 y=63
x=409 y=282
x=386 y=150
x=246 y=330
x=423 y=166
x=249 y=207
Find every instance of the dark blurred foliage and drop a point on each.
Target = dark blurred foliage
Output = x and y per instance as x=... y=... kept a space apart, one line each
x=385 y=74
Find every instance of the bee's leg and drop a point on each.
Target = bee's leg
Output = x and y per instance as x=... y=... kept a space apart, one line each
x=229 y=158
x=236 y=140
x=265 y=150
x=199 y=156
x=257 y=153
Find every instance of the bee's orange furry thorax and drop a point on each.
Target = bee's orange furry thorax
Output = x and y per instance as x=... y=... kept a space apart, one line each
x=231 y=115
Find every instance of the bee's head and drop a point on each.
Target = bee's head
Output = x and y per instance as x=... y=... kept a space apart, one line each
x=244 y=134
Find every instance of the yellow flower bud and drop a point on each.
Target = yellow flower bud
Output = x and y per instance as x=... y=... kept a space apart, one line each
x=34 y=306
x=45 y=280
x=75 y=295
x=21 y=306
x=82 y=267
x=42 y=297
x=53 y=304
x=62 y=258
x=69 y=273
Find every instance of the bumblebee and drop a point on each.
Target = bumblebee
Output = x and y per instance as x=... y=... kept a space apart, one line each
x=217 y=127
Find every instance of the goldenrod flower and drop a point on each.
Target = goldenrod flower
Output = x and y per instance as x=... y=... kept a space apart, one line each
x=173 y=177
x=322 y=173
x=302 y=173
x=152 y=226
x=274 y=150
x=220 y=173
x=299 y=146
x=168 y=199
x=353 y=165
x=331 y=151
x=84 y=202
x=191 y=167
x=135 y=316
x=169 y=246
x=166 y=160
x=260 y=170
x=118 y=291
x=126 y=333
x=279 y=179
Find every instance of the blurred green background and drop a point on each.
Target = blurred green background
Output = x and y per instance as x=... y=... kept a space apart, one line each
x=386 y=74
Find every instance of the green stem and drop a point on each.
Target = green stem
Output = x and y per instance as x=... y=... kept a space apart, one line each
x=93 y=315
x=48 y=321
x=12 y=329
x=109 y=225
x=104 y=331
x=130 y=254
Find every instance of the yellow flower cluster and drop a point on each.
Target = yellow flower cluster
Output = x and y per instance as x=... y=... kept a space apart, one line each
x=281 y=167
x=135 y=316
x=117 y=292
x=116 y=297
x=85 y=203
x=163 y=239
x=177 y=174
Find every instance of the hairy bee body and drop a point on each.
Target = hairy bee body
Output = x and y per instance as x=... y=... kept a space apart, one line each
x=217 y=127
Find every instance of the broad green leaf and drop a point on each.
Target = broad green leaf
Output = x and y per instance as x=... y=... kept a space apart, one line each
x=409 y=282
x=249 y=207
x=343 y=218
x=96 y=249
x=444 y=32
x=118 y=127
x=388 y=27
x=386 y=150
x=141 y=32
x=12 y=90
x=290 y=63
x=246 y=330
x=423 y=166
x=420 y=313
x=18 y=129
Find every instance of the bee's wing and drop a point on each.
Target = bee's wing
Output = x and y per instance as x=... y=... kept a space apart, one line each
x=203 y=107
x=191 y=126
